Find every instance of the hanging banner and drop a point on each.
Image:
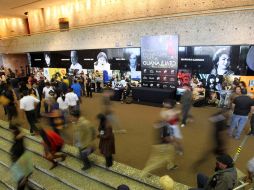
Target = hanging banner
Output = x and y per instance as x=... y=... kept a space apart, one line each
x=159 y=61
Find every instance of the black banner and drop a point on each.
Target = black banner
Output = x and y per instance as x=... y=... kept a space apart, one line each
x=159 y=61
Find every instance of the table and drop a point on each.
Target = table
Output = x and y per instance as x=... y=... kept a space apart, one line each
x=117 y=94
x=153 y=95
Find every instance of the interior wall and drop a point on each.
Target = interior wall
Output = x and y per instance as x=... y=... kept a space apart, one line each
x=226 y=28
x=15 y=62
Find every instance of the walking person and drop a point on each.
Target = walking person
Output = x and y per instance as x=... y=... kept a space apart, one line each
x=166 y=141
x=186 y=101
x=47 y=91
x=63 y=106
x=242 y=105
x=53 y=144
x=72 y=100
x=88 y=86
x=21 y=163
x=77 y=89
x=84 y=136
x=107 y=140
x=28 y=105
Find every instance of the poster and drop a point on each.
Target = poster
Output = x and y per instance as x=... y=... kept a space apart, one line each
x=56 y=73
x=159 y=61
x=216 y=60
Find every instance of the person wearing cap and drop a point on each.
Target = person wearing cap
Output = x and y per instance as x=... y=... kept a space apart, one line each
x=224 y=178
x=242 y=105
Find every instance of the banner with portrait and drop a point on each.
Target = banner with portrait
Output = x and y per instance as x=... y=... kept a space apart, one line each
x=159 y=61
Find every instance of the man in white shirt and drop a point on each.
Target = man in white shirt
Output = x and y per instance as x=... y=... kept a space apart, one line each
x=47 y=96
x=28 y=105
x=72 y=100
x=75 y=66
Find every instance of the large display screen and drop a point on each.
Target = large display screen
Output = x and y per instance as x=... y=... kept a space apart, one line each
x=123 y=59
x=159 y=61
x=216 y=60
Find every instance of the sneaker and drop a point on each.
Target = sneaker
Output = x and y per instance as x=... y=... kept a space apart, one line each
x=64 y=157
x=183 y=125
x=85 y=168
x=53 y=166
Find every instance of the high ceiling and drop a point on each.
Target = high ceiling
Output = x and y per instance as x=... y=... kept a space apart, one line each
x=17 y=8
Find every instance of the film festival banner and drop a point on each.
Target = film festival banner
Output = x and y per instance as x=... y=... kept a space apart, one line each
x=159 y=61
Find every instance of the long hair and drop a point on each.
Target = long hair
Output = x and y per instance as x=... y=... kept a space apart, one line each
x=217 y=56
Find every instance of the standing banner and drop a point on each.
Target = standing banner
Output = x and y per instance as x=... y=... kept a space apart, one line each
x=159 y=61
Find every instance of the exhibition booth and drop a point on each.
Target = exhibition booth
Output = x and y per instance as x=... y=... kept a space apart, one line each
x=157 y=70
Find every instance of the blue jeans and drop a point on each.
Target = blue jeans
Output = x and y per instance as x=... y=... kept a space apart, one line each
x=201 y=182
x=238 y=123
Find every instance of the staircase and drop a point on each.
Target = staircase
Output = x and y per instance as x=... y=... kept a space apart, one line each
x=68 y=174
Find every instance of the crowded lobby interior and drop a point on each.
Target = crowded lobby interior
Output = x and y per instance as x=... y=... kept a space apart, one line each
x=126 y=94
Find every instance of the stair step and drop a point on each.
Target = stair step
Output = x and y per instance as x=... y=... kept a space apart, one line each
x=60 y=172
x=100 y=173
x=37 y=176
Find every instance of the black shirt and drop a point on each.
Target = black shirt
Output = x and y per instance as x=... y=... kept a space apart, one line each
x=243 y=105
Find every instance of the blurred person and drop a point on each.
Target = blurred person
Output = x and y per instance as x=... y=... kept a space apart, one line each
x=21 y=167
x=243 y=86
x=166 y=182
x=84 y=136
x=75 y=67
x=77 y=89
x=126 y=92
x=53 y=144
x=34 y=92
x=82 y=83
x=166 y=137
x=72 y=100
x=10 y=104
x=186 y=101
x=170 y=115
x=63 y=106
x=28 y=105
x=218 y=136
x=107 y=140
x=221 y=61
x=47 y=91
x=237 y=92
x=63 y=86
x=224 y=178
x=88 y=86
x=250 y=169
x=242 y=105
x=56 y=120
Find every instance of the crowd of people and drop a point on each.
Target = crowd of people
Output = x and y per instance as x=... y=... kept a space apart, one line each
x=62 y=97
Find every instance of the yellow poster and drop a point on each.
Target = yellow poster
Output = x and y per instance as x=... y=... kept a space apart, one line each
x=54 y=73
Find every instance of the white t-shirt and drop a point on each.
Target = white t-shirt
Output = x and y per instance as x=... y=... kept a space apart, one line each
x=46 y=91
x=71 y=99
x=63 y=105
x=77 y=66
x=27 y=103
